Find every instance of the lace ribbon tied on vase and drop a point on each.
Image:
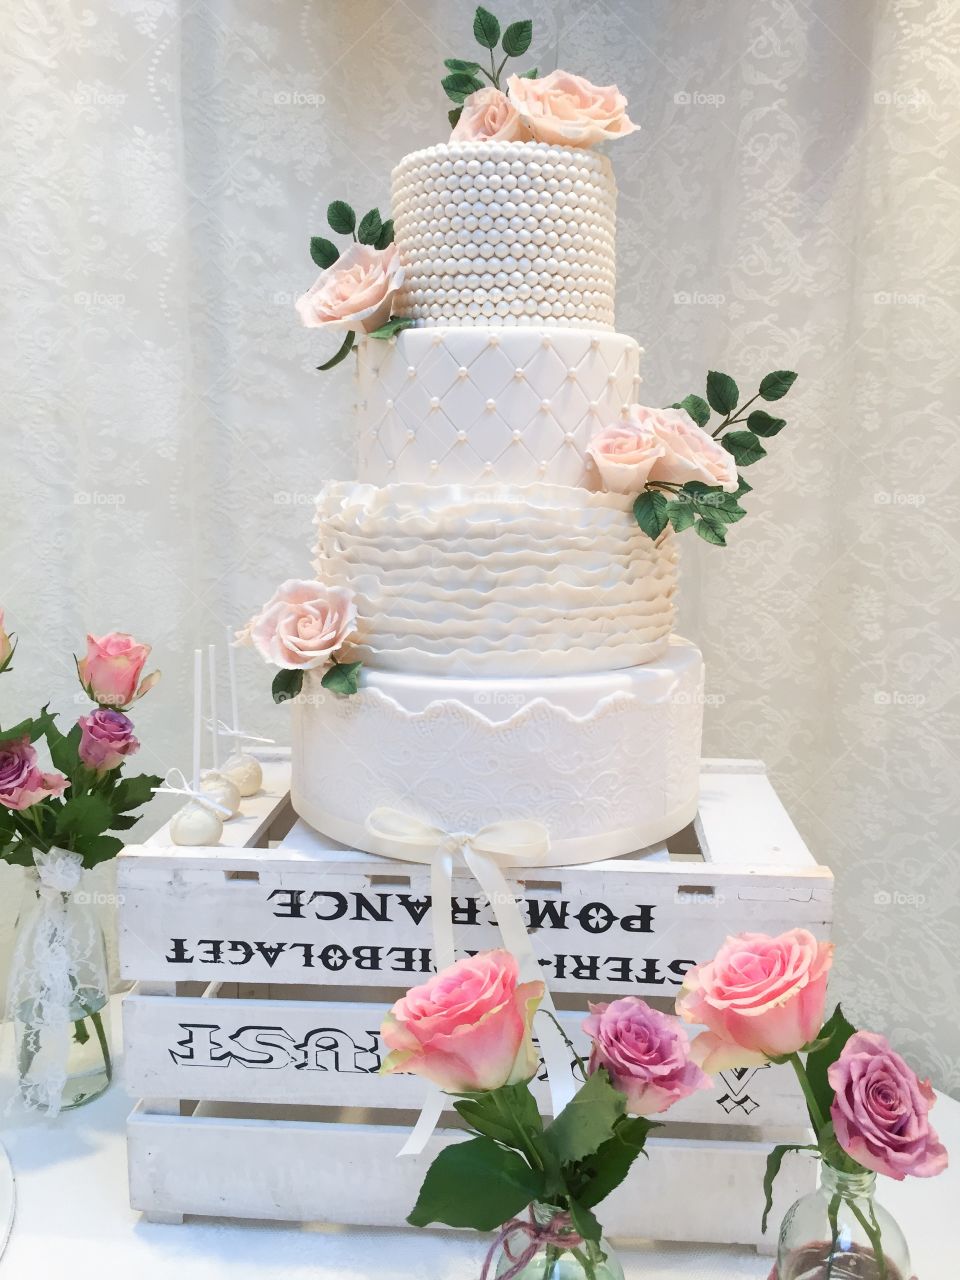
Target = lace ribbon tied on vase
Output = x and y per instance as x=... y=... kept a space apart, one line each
x=53 y=947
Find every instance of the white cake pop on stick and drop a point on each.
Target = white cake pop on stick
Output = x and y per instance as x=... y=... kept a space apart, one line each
x=197 y=823
x=240 y=767
x=213 y=782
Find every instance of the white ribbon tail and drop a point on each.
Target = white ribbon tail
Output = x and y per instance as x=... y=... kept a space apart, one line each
x=225 y=731
x=199 y=797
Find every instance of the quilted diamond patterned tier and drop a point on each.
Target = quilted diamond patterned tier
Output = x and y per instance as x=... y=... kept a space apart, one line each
x=490 y=405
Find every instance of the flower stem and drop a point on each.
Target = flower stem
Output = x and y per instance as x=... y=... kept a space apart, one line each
x=813 y=1108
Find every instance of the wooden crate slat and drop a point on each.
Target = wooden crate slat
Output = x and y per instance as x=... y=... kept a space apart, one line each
x=218 y=1164
x=327 y=1052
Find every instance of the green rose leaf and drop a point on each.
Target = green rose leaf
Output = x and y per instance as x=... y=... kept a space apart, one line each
x=834 y=1034
x=585 y=1221
x=475 y=1184
x=396 y=324
x=652 y=512
x=722 y=392
x=681 y=515
x=587 y=1119
x=453 y=115
x=774 y=1161
x=762 y=423
x=385 y=237
x=323 y=252
x=744 y=446
x=461 y=64
x=342 y=354
x=613 y=1159
x=776 y=385
x=286 y=684
x=712 y=531
x=458 y=86
x=83 y=815
x=33 y=728
x=341 y=218
x=371 y=224
x=96 y=849
x=517 y=37
x=488 y=1112
x=698 y=489
x=65 y=750
x=529 y=75
x=486 y=28
x=343 y=677
x=697 y=408
x=133 y=793
x=743 y=487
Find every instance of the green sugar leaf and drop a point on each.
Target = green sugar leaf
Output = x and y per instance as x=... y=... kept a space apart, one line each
x=744 y=446
x=517 y=38
x=486 y=28
x=722 y=392
x=762 y=423
x=776 y=385
x=323 y=252
x=651 y=510
x=341 y=218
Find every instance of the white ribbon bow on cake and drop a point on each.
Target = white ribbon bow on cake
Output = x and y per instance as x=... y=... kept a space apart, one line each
x=516 y=843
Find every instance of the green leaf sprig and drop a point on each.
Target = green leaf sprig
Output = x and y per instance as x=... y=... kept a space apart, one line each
x=464 y=74
x=707 y=507
x=340 y=677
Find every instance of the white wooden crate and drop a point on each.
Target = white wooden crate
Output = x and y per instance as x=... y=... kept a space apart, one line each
x=263 y=977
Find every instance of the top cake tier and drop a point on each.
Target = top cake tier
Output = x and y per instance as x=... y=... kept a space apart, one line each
x=512 y=233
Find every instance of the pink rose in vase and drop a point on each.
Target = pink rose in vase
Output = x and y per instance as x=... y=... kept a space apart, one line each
x=354 y=293
x=302 y=625
x=468 y=1028
x=880 y=1110
x=568 y=111
x=625 y=453
x=110 y=670
x=22 y=782
x=646 y=1052
x=759 y=998
x=106 y=739
x=489 y=115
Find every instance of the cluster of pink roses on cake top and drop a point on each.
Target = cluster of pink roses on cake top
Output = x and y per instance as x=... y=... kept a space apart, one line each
x=38 y=806
x=561 y=108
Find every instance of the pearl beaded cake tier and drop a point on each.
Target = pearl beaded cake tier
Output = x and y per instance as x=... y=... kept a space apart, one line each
x=608 y=762
x=501 y=580
x=489 y=405
x=510 y=233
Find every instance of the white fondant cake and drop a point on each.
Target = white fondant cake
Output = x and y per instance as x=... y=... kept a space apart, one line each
x=500 y=580
x=483 y=405
x=608 y=762
x=517 y=232
x=513 y=625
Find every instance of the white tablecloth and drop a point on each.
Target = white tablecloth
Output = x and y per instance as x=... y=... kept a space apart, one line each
x=73 y=1221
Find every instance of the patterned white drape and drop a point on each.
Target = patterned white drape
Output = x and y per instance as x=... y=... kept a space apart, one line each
x=791 y=202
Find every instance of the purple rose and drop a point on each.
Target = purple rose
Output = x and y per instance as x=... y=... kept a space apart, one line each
x=106 y=737
x=646 y=1052
x=880 y=1110
x=22 y=782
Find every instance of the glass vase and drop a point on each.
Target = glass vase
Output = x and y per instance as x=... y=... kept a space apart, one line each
x=839 y=1232
x=58 y=1001
x=546 y=1247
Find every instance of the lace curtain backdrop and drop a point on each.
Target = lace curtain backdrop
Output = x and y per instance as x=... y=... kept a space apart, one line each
x=791 y=202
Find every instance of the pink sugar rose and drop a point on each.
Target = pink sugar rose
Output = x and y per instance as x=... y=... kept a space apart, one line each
x=880 y=1112
x=106 y=737
x=110 y=670
x=625 y=452
x=354 y=293
x=468 y=1028
x=759 y=998
x=690 y=453
x=302 y=625
x=646 y=1052
x=489 y=115
x=568 y=110
x=22 y=782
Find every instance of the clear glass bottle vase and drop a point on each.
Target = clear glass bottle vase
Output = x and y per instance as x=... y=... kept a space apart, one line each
x=548 y=1248
x=840 y=1232
x=58 y=1001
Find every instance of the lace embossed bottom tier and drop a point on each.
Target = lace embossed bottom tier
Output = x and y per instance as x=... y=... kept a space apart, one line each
x=608 y=761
